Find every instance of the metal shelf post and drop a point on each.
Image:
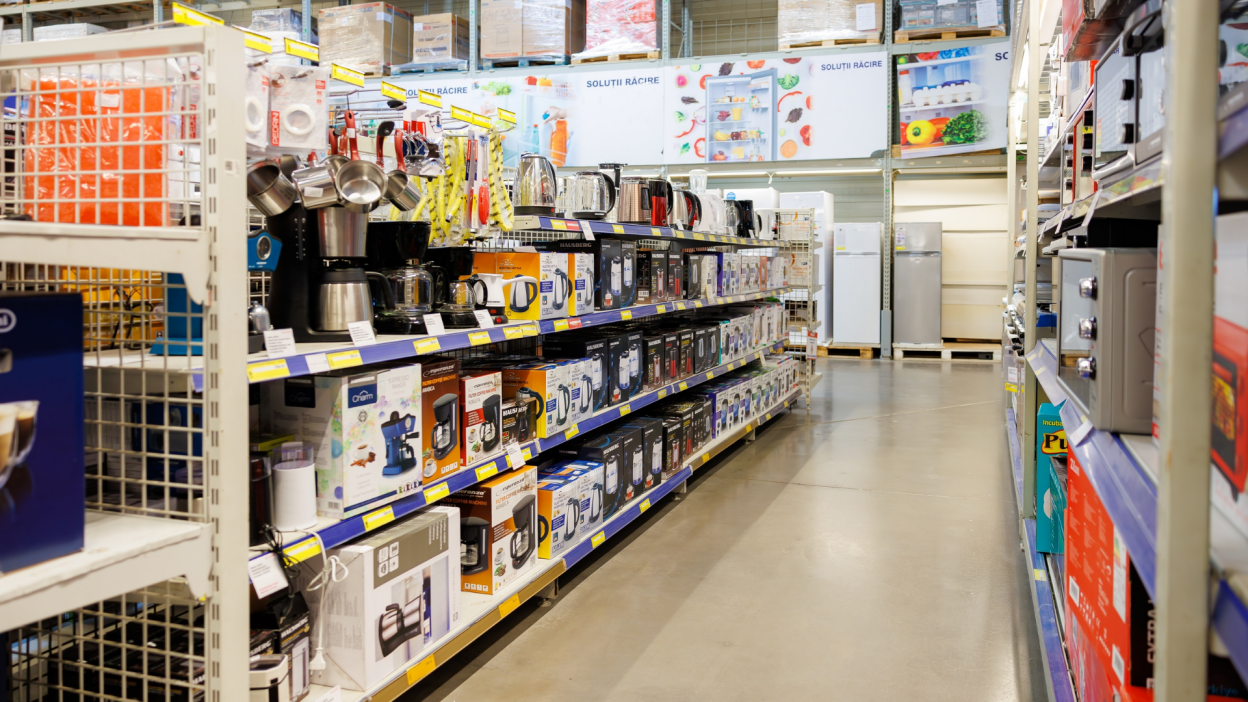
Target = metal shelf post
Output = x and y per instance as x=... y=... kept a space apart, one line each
x=1027 y=423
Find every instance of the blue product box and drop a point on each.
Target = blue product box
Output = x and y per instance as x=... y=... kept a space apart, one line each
x=1050 y=481
x=42 y=483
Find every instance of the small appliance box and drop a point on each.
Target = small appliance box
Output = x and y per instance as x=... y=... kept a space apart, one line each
x=693 y=276
x=366 y=431
x=581 y=380
x=608 y=451
x=540 y=381
x=645 y=278
x=710 y=275
x=542 y=288
x=682 y=411
x=482 y=395
x=608 y=271
x=1110 y=603
x=701 y=348
x=498 y=529
x=591 y=485
x=569 y=392
x=439 y=407
x=617 y=349
x=675 y=276
x=400 y=595
x=442 y=37
x=686 y=353
x=1229 y=440
x=651 y=448
x=570 y=345
x=703 y=417
x=671 y=357
x=660 y=290
x=558 y=514
x=636 y=353
x=582 y=269
x=628 y=254
x=366 y=37
x=673 y=443
x=519 y=418
x=41 y=428
x=632 y=462
x=652 y=363
x=1050 y=497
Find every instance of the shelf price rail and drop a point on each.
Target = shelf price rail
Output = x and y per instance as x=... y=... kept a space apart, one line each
x=354 y=527
x=546 y=572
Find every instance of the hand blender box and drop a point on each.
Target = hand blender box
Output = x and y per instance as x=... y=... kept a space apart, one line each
x=400 y=595
x=482 y=395
x=582 y=270
x=608 y=267
x=651 y=448
x=541 y=382
x=439 y=411
x=595 y=350
x=498 y=529
x=365 y=429
x=652 y=363
x=675 y=276
x=558 y=514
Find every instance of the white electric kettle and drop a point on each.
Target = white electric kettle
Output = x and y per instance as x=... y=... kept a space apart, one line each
x=494 y=295
x=523 y=292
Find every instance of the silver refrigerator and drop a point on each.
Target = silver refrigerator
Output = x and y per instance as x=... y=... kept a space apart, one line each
x=916 y=283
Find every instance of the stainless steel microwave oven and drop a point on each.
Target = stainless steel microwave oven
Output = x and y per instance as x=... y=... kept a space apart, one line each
x=1105 y=335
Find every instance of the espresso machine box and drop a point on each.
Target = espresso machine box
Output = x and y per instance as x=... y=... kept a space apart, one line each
x=439 y=399
x=519 y=418
x=498 y=529
x=593 y=349
x=652 y=363
x=608 y=279
x=673 y=445
x=41 y=386
x=675 y=276
x=558 y=514
x=399 y=596
x=544 y=382
x=582 y=269
x=482 y=395
x=651 y=429
x=365 y=429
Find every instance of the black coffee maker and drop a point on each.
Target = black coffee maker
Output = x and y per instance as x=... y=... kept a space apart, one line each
x=492 y=427
x=474 y=545
x=524 y=539
x=446 y=425
x=395 y=250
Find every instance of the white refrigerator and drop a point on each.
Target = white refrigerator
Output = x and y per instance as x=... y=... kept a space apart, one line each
x=856 y=283
x=821 y=201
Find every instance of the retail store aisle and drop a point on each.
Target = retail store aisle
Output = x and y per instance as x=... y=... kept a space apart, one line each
x=868 y=552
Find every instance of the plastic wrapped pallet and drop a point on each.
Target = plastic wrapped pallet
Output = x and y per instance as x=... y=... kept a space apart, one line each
x=807 y=21
x=11 y=36
x=55 y=32
x=439 y=38
x=515 y=28
x=619 y=27
x=367 y=37
x=918 y=16
x=278 y=25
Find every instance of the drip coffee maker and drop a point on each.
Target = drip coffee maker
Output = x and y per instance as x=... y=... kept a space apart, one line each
x=395 y=250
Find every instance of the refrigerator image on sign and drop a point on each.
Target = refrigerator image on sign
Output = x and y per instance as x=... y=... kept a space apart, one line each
x=856 y=284
x=916 y=283
x=741 y=117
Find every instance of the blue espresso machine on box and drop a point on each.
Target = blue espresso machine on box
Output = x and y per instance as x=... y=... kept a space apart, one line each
x=42 y=484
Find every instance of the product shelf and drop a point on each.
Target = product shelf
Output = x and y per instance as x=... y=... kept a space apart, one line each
x=482 y=612
x=337 y=532
x=314 y=358
x=120 y=553
x=1057 y=680
x=640 y=231
x=1125 y=488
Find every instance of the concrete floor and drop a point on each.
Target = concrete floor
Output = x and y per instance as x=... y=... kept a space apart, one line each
x=867 y=550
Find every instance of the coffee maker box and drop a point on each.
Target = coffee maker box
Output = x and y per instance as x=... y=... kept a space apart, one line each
x=617 y=348
x=671 y=357
x=498 y=529
x=439 y=398
x=482 y=395
x=519 y=420
x=581 y=265
x=541 y=381
x=651 y=448
x=608 y=267
x=365 y=428
x=628 y=256
x=607 y=451
x=636 y=361
x=400 y=595
x=673 y=445
x=597 y=354
x=41 y=428
x=675 y=276
x=558 y=514
x=652 y=363
x=693 y=276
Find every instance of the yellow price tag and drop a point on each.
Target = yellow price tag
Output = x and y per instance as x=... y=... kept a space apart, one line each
x=680 y=305
x=487 y=471
x=706 y=458
x=660 y=309
x=710 y=376
x=427 y=345
x=597 y=539
x=381 y=517
x=509 y=605
x=617 y=228
x=719 y=300
x=684 y=386
x=267 y=370
x=699 y=237
x=193 y=18
x=560 y=225
x=626 y=314
x=567 y=435
x=507 y=115
x=663 y=393
x=303 y=550
x=697 y=303
x=1039 y=574
x=347 y=75
x=1011 y=387
x=749 y=428
x=344 y=359
x=729 y=365
x=529 y=330
x=561 y=325
x=625 y=409
x=527 y=453
x=303 y=49
x=417 y=672
x=656 y=231
x=258 y=42
x=645 y=504
x=437 y=492
x=512 y=332
x=478 y=338
x=427 y=98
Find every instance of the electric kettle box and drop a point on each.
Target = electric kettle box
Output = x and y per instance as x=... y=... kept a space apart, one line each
x=651 y=447
x=609 y=452
x=609 y=257
x=693 y=276
x=710 y=275
x=41 y=428
x=673 y=443
x=675 y=276
x=556 y=288
x=366 y=431
x=628 y=257
x=581 y=266
x=439 y=398
x=671 y=357
x=645 y=280
x=482 y=435
x=632 y=462
x=545 y=287
x=558 y=515
x=505 y=546
x=595 y=350
x=541 y=382
x=617 y=349
x=701 y=349
x=652 y=363
x=686 y=353
x=399 y=596
x=636 y=361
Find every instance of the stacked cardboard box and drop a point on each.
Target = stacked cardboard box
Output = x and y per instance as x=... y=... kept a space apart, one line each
x=442 y=37
x=802 y=21
x=367 y=37
x=514 y=28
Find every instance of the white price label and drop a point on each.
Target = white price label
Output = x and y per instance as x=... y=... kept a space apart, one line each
x=434 y=325
x=515 y=458
x=865 y=16
x=986 y=13
x=317 y=363
x=484 y=320
x=267 y=576
x=279 y=343
x=1012 y=373
x=362 y=333
x=589 y=236
x=1081 y=434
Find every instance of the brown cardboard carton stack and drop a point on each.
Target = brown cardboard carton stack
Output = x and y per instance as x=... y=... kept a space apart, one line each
x=442 y=37
x=515 y=28
x=802 y=21
x=367 y=37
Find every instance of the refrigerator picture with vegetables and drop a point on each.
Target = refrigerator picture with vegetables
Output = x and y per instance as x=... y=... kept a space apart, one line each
x=953 y=101
x=741 y=124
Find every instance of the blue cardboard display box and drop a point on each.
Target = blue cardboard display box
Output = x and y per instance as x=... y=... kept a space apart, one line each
x=1050 y=480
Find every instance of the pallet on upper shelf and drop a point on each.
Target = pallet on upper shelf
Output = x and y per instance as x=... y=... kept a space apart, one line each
x=318 y=358
x=614 y=58
x=903 y=36
x=339 y=532
x=852 y=41
x=489 y=64
x=447 y=66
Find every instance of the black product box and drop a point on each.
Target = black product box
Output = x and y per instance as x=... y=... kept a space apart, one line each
x=595 y=348
x=636 y=362
x=658 y=277
x=703 y=415
x=673 y=445
x=291 y=621
x=684 y=412
x=701 y=349
x=632 y=462
x=608 y=267
x=263 y=642
x=652 y=363
x=693 y=276
x=617 y=355
x=671 y=357
x=645 y=278
x=628 y=256
x=519 y=420
x=651 y=449
x=675 y=276
x=608 y=451
x=686 y=353
x=712 y=345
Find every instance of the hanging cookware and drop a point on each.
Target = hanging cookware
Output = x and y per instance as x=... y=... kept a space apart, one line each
x=361 y=185
x=268 y=189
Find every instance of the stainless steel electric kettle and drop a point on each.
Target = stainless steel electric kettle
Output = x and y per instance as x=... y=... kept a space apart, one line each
x=592 y=195
x=634 y=201
x=536 y=186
